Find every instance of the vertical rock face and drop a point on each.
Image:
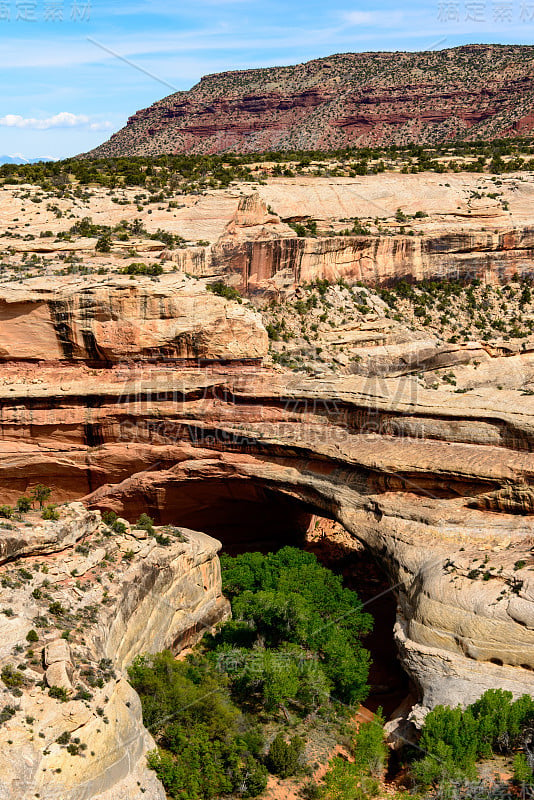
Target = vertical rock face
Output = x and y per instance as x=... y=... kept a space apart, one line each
x=472 y=92
x=117 y=319
x=258 y=258
x=455 y=237
x=157 y=596
x=408 y=472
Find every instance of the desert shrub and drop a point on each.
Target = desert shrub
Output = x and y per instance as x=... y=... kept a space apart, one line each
x=346 y=781
x=146 y=523
x=522 y=769
x=111 y=520
x=284 y=758
x=24 y=504
x=50 y=512
x=12 y=677
x=119 y=527
x=6 y=713
x=58 y=693
x=369 y=747
x=103 y=244
x=454 y=739
x=109 y=517
x=222 y=290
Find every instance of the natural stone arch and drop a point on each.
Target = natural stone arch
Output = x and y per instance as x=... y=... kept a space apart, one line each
x=447 y=637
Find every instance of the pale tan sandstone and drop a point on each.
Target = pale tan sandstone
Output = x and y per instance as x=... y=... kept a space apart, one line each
x=245 y=236
x=157 y=597
x=409 y=471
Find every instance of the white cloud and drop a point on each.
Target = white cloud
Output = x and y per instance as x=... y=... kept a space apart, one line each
x=62 y=120
x=360 y=17
x=372 y=17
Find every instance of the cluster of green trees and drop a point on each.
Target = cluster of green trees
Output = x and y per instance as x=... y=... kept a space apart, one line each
x=121 y=232
x=140 y=268
x=223 y=290
x=356 y=779
x=206 y=746
x=453 y=740
x=39 y=494
x=308 y=626
x=293 y=646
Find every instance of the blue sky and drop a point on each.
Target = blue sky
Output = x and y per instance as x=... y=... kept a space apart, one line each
x=65 y=92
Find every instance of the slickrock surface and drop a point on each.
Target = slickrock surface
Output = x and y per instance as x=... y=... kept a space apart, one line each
x=113 y=319
x=431 y=470
x=469 y=226
x=94 y=599
x=472 y=92
x=459 y=240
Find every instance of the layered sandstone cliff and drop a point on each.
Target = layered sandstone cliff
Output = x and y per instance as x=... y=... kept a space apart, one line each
x=472 y=92
x=459 y=239
x=95 y=599
x=458 y=226
x=116 y=319
x=436 y=484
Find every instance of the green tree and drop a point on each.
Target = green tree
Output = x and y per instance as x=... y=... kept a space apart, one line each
x=50 y=513
x=24 y=503
x=146 y=523
x=522 y=769
x=288 y=597
x=103 y=244
x=344 y=781
x=369 y=747
x=40 y=494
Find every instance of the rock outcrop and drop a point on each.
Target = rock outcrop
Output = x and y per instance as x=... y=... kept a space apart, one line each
x=457 y=240
x=434 y=480
x=471 y=92
x=94 y=599
x=463 y=227
x=117 y=319
x=436 y=484
x=284 y=262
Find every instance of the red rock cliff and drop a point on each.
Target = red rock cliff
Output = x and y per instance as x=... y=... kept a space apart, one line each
x=472 y=92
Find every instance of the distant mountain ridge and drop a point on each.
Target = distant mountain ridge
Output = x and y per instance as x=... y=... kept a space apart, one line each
x=350 y=99
x=21 y=160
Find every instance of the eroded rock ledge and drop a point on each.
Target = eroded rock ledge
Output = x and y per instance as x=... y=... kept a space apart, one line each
x=436 y=484
x=115 y=319
x=118 y=595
